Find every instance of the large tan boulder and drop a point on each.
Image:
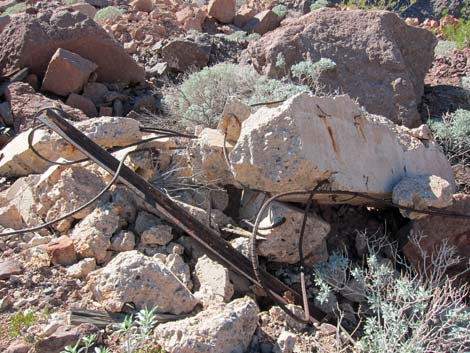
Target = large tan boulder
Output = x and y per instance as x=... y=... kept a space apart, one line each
x=380 y=60
x=67 y=73
x=223 y=10
x=308 y=139
x=31 y=40
x=224 y=328
x=132 y=277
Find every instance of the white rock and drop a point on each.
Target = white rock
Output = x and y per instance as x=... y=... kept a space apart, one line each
x=282 y=242
x=285 y=342
x=422 y=192
x=208 y=160
x=180 y=269
x=123 y=241
x=224 y=328
x=82 y=268
x=307 y=139
x=279 y=315
x=157 y=235
x=62 y=189
x=146 y=282
x=215 y=285
x=19 y=160
x=92 y=236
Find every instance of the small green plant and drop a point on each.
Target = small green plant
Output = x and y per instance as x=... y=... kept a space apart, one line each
x=22 y=321
x=21 y=7
x=460 y=34
x=108 y=13
x=319 y=4
x=391 y=5
x=280 y=10
x=445 y=48
x=134 y=333
x=241 y=36
x=308 y=73
x=84 y=345
x=201 y=98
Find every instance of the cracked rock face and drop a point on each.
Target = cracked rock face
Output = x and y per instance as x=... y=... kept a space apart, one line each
x=307 y=139
x=132 y=277
x=224 y=328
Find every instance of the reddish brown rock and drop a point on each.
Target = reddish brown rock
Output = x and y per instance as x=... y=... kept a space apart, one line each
x=25 y=103
x=263 y=22
x=62 y=251
x=19 y=346
x=67 y=73
x=387 y=79
x=244 y=14
x=10 y=267
x=85 y=104
x=143 y=5
x=223 y=10
x=182 y=55
x=30 y=41
x=437 y=229
x=85 y=8
x=65 y=336
x=106 y=111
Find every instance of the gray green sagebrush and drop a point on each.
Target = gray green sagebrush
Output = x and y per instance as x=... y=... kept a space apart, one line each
x=201 y=98
x=408 y=311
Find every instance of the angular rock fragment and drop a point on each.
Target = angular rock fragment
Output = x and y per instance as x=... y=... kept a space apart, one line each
x=308 y=139
x=180 y=269
x=214 y=281
x=181 y=55
x=9 y=268
x=135 y=278
x=63 y=189
x=243 y=15
x=422 y=192
x=83 y=103
x=82 y=268
x=207 y=158
x=434 y=230
x=157 y=235
x=64 y=336
x=123 y=241
x=62 y=251
x=387 y=79
x=30 y=41
x=281 y=228
x=84 y=7
x=222 y=10
x=235 y=112
x=92 y=236
x=225 y=328
x=67 y=73
x=263 y=22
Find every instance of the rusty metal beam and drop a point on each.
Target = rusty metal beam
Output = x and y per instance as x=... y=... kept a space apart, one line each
x=217 y=248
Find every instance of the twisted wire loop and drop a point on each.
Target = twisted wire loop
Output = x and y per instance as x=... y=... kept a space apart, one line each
x=163 y=134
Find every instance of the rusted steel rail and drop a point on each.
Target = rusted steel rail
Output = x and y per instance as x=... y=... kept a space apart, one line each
x=217 y=248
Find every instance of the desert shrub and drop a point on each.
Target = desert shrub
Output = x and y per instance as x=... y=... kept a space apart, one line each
x=319 y=4
x=459 y=34
x=241 y=36
x=410 y=311
x=200 y=99
x=108 y=13
x=280 y=10
x=15 y=9
x=308 y=72
x=391 y=5
x=21 y=321
x=445 y=48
